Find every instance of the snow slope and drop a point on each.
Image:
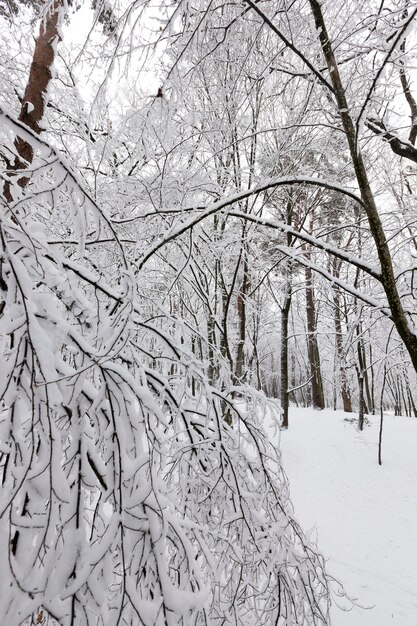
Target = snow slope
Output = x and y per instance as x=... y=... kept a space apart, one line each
x=363 y=516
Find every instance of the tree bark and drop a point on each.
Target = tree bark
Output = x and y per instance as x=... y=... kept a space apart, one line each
x=344 y=383
x=31 y=114
x=361 y=417
x=240 y=369
x=317 y=395
x=284 y=358
x=34 y=99
x=384 y=255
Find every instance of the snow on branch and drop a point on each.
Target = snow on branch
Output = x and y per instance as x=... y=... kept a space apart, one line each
x=127 y=496
x=314 y=241
x=269 y=183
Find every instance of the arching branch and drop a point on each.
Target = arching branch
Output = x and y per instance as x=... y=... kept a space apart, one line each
x=265 y=185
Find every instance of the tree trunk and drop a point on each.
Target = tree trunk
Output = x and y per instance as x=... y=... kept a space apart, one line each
x=361 y=372
x=361 y=418
x=241 y=311
x=284 y=357
x=381 y=418
x=285 y=312
x=317 y=395
x=34 y=99
x=344 y=384
x=31 y=114
x=363 y=366
x=372 y=389
x=387 y=278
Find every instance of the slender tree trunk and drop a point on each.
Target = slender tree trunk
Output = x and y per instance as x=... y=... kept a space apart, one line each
x=293 y=380
x=364 y=369
x=212 y=372
x=361 y=372
x=284 y=356
x=387 y=279
x=241 y=310
x=254 y=363
x=361 y=419
x=317 y=395
x=344 y=383
x=412 y=403
x=381 y=416
x=285 y=313
x=372 y=389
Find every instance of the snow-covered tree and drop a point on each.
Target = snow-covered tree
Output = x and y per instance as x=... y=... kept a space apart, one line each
x=134 y=489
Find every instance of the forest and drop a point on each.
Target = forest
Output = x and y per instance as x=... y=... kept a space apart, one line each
x=207 y=221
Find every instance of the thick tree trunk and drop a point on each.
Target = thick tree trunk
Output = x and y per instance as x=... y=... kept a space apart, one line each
x=34 y=99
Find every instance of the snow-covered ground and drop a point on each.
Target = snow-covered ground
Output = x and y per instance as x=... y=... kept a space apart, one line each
x=363 y=516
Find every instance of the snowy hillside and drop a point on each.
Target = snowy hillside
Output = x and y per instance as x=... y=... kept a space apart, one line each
x=363 y=516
